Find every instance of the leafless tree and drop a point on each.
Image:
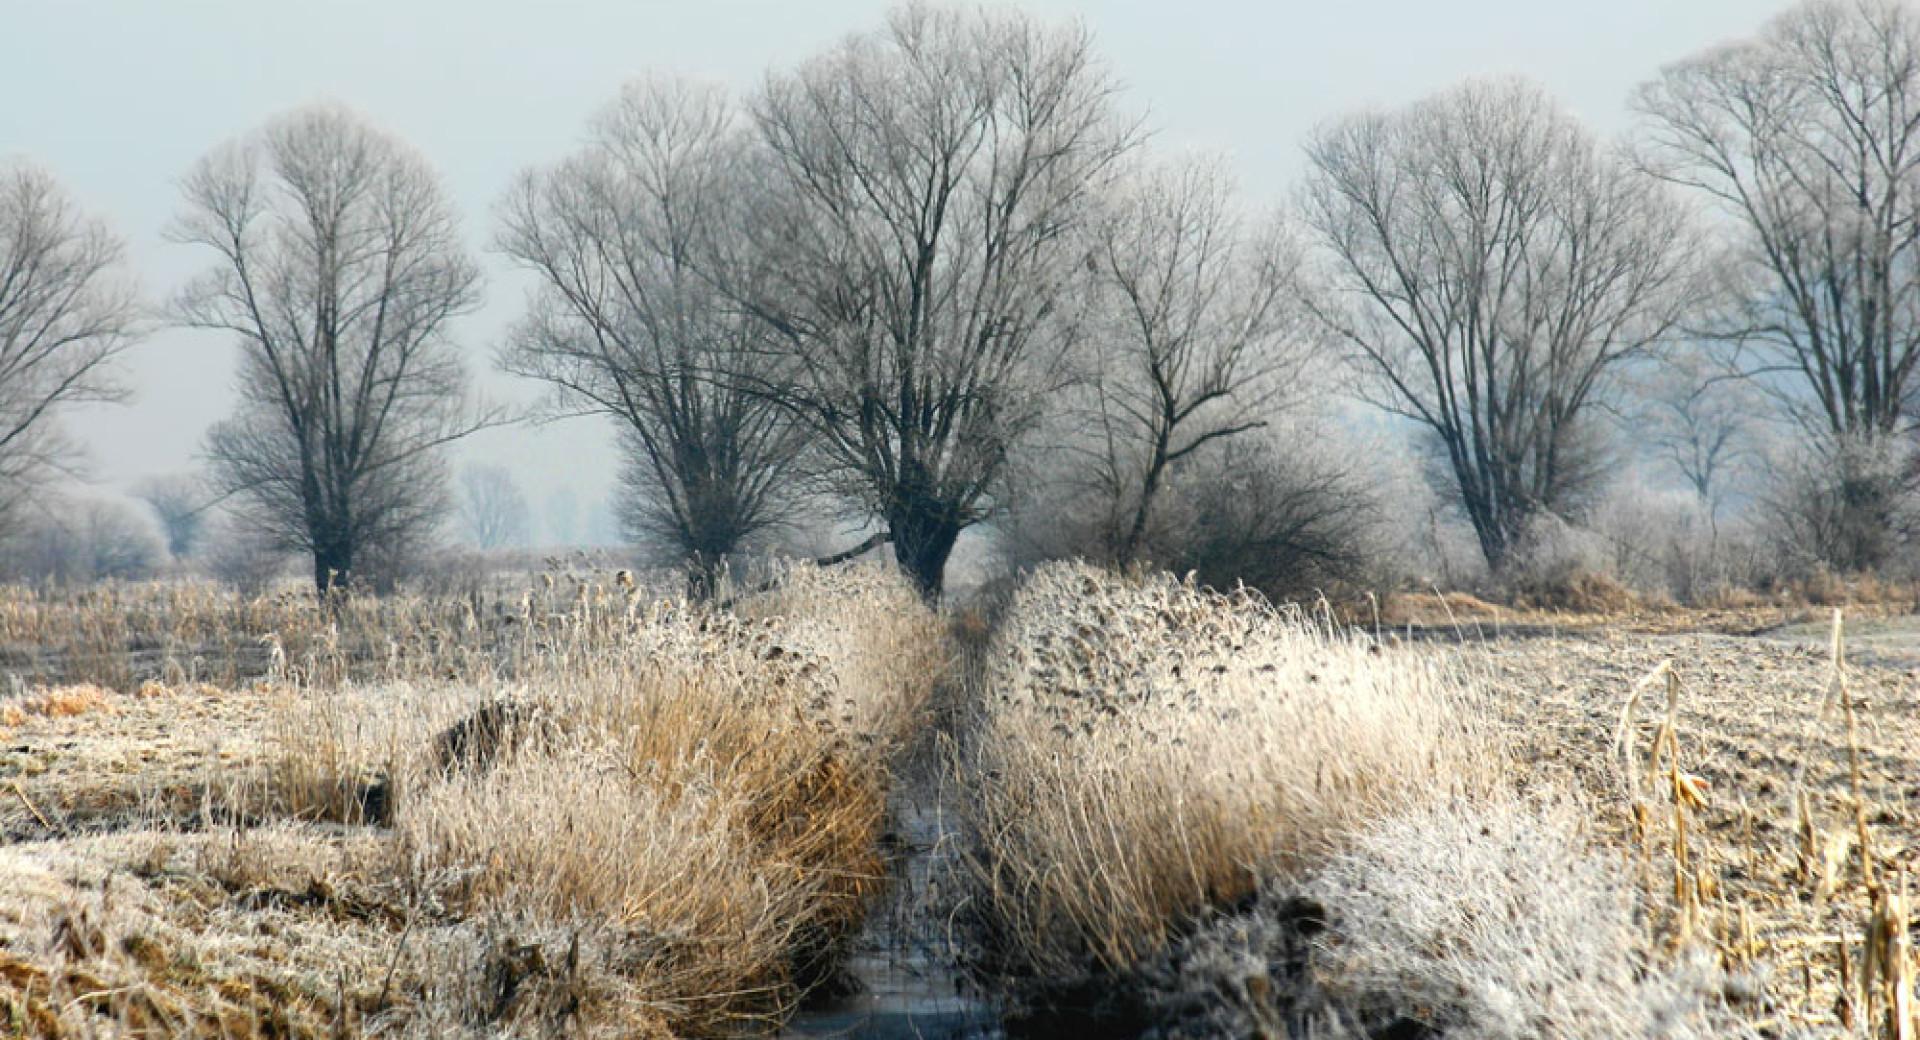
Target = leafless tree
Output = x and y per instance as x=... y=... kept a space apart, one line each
x=931 y=186
x=340 y=268
x=66 y=313
x=1198 y=335
x=1807 y=137
x=240 y=554
x=181 y=502
x=73 y=541
x=1490 y=267
x=629 y=320
x=492 y=510
x=1700 y=420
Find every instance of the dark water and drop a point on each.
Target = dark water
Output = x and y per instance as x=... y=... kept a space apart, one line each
x=903 y=962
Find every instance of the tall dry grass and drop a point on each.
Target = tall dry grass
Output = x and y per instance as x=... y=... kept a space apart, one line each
x=1148 y=752
x=120 y=634
x=714 y=781
x=626 y=815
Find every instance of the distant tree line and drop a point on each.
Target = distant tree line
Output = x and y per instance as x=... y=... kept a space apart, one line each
x=937 y=276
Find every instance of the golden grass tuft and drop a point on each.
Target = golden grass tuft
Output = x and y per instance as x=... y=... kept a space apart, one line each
x=709 y=786
x=57 y=702
x=1150 y=751
x=1577 y=591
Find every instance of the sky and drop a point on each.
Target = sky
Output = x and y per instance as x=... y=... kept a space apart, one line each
x=118 y=98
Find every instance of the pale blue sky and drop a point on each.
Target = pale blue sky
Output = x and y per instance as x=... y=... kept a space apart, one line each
x=119 y=97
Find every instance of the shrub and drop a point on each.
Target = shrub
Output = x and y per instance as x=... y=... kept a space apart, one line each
x=241 y=555
x=1849 y=505
x=1492 y=920
x=1292 y=527
x=1295 y=526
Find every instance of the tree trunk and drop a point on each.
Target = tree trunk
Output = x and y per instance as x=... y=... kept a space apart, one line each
x=1150 y=487
x=923 y=537
x=703 y=576
x=332 y=564
x=1496 y=544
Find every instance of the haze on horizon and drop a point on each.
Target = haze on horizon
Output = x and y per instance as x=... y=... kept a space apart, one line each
x=119 y=99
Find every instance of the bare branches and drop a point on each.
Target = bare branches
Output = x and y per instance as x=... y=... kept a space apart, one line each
x=1700 y=420
x=66 y=313
x=631 y=240
x=1807 y=139
x=181 y=503
x=340 y=268
x=492 y=510
x=933 y=181
x=1489 y=267
x=1201 y=332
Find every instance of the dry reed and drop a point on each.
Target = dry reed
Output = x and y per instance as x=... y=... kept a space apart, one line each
x=1149 y=752
x=672 y=812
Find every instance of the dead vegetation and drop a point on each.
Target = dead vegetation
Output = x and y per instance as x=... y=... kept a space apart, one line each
x=654 y=819
x=1189 y=815
x=1757 y=793
x=1148 y=752
x=1693 y=836
x=1586 y=601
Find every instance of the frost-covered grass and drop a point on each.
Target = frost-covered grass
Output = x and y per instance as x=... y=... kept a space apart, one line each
x=649 y=822
x=1147 y=751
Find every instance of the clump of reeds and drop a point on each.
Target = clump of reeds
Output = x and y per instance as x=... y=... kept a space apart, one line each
x=1148 y=752
x=706 y=785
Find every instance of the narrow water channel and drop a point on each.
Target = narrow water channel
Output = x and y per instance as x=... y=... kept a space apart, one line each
x=907 y=987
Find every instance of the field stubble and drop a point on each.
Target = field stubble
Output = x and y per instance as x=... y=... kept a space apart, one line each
x=1762 y=800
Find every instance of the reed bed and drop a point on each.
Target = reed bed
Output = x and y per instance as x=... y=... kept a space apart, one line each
x=621 y=815
x=584 y=808
x=120 y=635
x=1149 y=752
x=1196 y=815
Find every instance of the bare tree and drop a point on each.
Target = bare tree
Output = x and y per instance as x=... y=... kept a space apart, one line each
x=181 y=502
x=340 y=269
x=73 y=541
x=1200 y=333
x=492 y=510
x=66 y=312
x=629 y=321
x=1490 y=267
x=931 y=183
x=1700 y=421
x=240 y=554
x=1807 y=138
